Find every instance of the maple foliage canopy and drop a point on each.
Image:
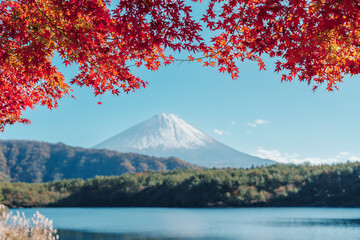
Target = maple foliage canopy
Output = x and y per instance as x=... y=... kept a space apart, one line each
x=316 y=41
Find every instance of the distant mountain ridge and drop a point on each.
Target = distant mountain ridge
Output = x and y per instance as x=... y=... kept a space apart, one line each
x=167 y=135
x=32 y=161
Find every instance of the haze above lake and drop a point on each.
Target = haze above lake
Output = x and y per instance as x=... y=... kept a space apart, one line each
x=229 y=223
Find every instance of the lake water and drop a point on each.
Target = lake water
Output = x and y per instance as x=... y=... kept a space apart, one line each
x=204 y=224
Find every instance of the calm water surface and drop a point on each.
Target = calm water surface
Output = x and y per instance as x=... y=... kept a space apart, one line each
x=201 y=224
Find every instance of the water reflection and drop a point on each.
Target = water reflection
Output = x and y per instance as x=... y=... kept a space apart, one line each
x=308 y=222
x=204 y=224
x=281 y=223
x=79 y=235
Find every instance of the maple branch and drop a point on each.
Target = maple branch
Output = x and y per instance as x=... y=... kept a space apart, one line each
x=50 y=22
x=240 y=20
x=228 y=41
x=94 y=62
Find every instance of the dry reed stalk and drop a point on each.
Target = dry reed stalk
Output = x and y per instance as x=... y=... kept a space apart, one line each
x=18 y=227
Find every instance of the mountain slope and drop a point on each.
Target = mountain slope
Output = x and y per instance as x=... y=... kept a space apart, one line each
x=32 y=161
x=167 y=135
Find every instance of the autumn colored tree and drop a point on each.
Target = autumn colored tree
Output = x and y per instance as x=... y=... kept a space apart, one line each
x=316 y=41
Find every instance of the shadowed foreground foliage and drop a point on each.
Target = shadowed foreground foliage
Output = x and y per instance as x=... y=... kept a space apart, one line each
x=276 y=185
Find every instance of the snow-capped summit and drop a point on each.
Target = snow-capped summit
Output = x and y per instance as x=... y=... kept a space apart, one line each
x=167 y=131
x=164 y=131
x=168 y=135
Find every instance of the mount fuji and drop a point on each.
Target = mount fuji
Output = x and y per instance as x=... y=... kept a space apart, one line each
x=167 y=135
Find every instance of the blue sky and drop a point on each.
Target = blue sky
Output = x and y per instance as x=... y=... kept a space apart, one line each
x=256 y=114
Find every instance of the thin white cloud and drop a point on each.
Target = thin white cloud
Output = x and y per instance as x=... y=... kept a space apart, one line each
x=285 y=157
x=219 y=132
x=233 y=123
x=257 y=122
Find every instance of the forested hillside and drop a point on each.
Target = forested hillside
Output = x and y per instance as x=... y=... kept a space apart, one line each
x=32 y=161
x=275 y=185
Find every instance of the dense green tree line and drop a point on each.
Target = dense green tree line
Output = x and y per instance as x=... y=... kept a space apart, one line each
x=275 y=185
